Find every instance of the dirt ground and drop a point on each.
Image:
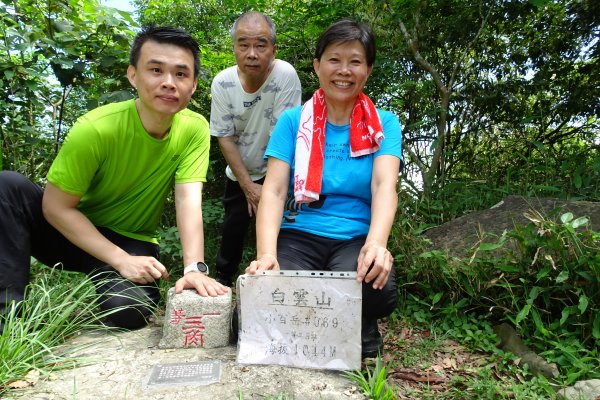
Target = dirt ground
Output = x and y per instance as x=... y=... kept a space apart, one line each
x=119 y=364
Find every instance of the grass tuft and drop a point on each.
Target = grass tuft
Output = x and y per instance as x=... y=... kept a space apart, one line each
x=57 y=306
x=373 y=381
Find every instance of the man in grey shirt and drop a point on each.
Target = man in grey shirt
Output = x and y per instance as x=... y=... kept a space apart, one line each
x=247 y=100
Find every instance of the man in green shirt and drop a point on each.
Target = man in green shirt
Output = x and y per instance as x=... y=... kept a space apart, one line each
x=107 y=187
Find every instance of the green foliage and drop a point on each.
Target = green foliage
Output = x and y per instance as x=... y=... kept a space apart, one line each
x=57 y=306
x=573 y=172
x=58 y=60
x=459 y=197
x=170 y=246
x=447 y=321
x=557 y=274
x=508 y=94
x=212 y=211
x=485 y=384
x=543 y=278
x=373 y=381
x=520 y=164
x=171 y=254
x=476 y=95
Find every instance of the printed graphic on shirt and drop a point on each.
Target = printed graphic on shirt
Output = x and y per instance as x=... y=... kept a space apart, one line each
x=227 y=84
x=272 y=87
x=246 y=138
x=268 y=114
x=295 y=208
x=337 y=151
x=248 y=104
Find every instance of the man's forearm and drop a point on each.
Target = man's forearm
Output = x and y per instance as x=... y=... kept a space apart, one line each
x=234 y=160
x=79 y=230
x=188 y=207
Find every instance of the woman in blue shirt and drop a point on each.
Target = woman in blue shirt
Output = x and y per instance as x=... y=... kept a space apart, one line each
x=329 y=197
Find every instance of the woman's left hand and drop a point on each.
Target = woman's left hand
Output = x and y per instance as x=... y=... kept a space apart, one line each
x=265 y=262
x=378 y=256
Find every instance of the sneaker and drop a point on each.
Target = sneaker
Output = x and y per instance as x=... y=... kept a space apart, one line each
x=372 y=342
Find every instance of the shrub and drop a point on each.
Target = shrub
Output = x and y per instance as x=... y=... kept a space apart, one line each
x=542 y=277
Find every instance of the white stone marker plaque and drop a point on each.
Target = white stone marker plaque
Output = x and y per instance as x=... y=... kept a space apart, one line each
x=306 y=319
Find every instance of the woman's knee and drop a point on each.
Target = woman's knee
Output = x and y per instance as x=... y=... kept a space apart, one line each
x=379 y=303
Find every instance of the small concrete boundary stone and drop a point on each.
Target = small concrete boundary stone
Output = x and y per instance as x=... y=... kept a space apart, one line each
x=120 y=362
x=192 y=320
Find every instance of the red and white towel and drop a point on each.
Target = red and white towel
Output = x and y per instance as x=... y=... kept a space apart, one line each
x=366 y=135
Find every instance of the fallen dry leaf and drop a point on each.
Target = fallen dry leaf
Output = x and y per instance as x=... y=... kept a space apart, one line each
x=30 y=379
x=405 y=334
x=33 y=375
x=449 y=363
x=413 y=376
x=20 y=384
x=437 y=368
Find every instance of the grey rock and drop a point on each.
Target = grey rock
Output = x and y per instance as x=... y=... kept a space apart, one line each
x=458 y=236
x=582 y=390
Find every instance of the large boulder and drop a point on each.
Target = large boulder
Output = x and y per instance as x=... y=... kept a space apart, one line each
x=457 y=237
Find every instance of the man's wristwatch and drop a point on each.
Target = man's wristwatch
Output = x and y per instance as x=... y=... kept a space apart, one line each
x=199 y=266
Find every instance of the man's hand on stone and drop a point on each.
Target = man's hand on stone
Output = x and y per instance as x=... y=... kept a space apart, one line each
x=141 y=269
x=204 y=285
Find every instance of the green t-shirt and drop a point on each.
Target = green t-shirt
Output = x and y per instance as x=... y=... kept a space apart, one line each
x=123 y=174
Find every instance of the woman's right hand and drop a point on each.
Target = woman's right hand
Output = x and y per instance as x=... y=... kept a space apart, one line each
x=265 y=262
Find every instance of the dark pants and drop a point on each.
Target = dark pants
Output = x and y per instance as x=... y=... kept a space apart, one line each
x=298 y=250
x=24 y=232
x=235 y=228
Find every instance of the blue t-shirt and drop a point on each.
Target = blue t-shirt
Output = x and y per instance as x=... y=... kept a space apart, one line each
x=343 y=210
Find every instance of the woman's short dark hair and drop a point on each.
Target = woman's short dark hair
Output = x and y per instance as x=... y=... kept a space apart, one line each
x=345 y=31
x=165 y=34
